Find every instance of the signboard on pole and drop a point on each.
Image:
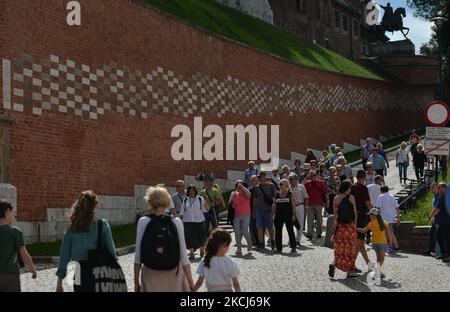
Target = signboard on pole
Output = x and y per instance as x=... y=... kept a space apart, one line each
x=437 y=114
x=437 y=133
x=437 y=147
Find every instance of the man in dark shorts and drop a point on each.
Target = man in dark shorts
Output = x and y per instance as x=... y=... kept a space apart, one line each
x=263 y=202
x=363 y=206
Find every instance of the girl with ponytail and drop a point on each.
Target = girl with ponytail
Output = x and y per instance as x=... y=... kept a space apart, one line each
x=218 y=270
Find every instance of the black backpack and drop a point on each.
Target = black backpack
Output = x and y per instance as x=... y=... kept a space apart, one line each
x=160 y=247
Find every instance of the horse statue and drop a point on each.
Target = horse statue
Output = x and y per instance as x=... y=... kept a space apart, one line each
x=392 y=22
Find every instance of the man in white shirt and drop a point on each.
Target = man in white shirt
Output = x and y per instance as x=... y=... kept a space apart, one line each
x=301 y=199
x=375 y=190
x=178 y=198
x=275 y=178
x=391 y=214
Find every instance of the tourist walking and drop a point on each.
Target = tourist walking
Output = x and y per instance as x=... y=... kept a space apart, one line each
x=325 y=160
x=82 y=236
x=310 y=156
x=366 y=152
x=285 y=214
x=370 y=174
x=347 y=170
x=378 y=162
x=218 y=270
x=160 y=242
x=250 y=171
x=419 y=160
x=375 y=190
x=214 y=201
x=12 y=247
x=433 y=229
x=391 y=214
x=383 y=154
x=178 y=198
x=253 y=228
x=363 y=206
x=414 y=140
x=298 y=169
x=402 y=162
x=380 y=230
x=441 y=216
x=318 y=198
x=285 y=172
x=241 y=222
x=264 y=195
x=301 y=201
x=332 y=184
x=340 y=173
x=275 y=178
x=344 y=231
x=193 y=215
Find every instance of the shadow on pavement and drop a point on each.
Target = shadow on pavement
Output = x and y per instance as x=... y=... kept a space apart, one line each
x=396 y=255
x=354 y=283
x=389 y=284
x=303 y=247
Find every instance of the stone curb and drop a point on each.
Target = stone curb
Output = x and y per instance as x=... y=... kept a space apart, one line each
x=53 y=259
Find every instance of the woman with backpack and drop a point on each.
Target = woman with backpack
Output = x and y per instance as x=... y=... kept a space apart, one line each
x=344 y=236
x=161 y=263
x=192 y=213
x=82 y=236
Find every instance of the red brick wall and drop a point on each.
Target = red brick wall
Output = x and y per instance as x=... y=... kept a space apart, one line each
x=56 y=155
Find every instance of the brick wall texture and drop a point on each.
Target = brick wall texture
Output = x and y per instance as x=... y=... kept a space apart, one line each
x=94 y=105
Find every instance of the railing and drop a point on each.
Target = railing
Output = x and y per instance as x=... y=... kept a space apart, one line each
x=407 y=198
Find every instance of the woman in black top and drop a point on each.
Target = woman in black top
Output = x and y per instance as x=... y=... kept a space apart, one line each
x=284 y=214
x=344 y=237
x=419 y=160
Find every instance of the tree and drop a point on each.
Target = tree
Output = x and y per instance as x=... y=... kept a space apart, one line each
x=427 y=10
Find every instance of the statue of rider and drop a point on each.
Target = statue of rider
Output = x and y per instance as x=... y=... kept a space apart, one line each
x=388 y=14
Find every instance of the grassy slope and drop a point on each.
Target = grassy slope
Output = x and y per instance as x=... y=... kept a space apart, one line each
x=123 y=235
x=256 y=33
x=423 y=208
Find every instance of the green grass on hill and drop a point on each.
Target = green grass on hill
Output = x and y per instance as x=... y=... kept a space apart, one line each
x=241 y=27
x=421 y=212
x=123 y=235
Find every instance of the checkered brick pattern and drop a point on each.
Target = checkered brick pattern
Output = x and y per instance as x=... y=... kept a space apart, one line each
x=69 y=87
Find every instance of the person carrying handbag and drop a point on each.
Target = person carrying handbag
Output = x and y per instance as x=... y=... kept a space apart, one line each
x=84 y=235
x=214 y=201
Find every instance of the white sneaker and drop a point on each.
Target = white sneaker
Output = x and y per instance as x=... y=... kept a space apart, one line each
x=370 y=266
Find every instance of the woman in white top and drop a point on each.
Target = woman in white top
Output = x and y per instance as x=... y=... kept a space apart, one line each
x=149 y=280
x=402 y=161
x=218 y=270
x=194 y=221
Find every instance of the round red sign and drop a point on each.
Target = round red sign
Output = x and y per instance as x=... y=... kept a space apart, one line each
x=437 y=114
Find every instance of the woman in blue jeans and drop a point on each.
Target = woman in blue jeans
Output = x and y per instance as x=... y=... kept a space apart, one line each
x=402 y=161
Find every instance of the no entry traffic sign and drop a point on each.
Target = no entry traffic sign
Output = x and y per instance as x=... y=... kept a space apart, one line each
x=437 y=114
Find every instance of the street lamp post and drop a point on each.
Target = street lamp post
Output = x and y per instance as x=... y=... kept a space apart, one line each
x=439 y=22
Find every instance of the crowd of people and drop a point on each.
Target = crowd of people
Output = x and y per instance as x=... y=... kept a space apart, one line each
x=261 y=204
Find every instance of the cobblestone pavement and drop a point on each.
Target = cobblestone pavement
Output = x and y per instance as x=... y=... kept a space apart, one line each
x=392 y=178
x=305 y=271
